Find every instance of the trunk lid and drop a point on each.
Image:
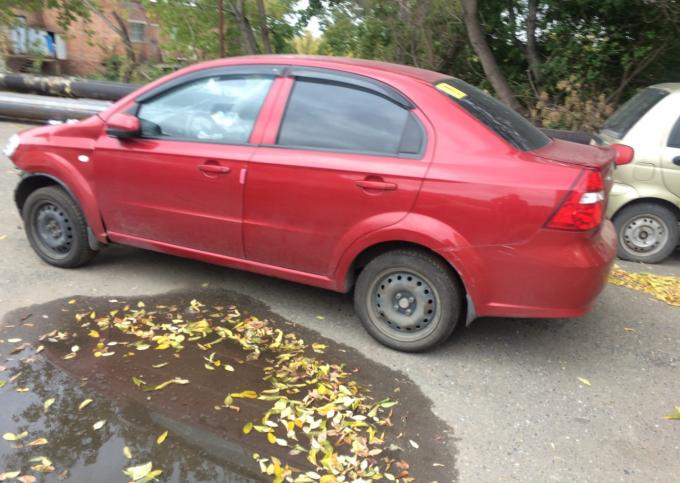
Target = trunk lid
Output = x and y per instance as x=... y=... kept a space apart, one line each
x=597 y=158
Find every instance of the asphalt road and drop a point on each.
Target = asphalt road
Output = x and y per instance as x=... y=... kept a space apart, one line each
x=508 y=389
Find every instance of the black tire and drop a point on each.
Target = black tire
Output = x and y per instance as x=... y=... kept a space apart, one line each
x=647 y=232
x=56 y=228
x=426 y=283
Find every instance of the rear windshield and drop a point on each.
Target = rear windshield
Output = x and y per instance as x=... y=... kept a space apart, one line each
x=629 y=113
x=503 y=120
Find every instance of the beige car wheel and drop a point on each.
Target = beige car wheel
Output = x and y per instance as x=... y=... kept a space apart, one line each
x=647 y=232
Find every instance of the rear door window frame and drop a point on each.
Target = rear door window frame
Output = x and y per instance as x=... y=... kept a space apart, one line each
x=362 y=83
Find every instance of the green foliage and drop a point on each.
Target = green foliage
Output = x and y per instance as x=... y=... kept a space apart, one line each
x=612 y=47
x=591 y=54
x=68 y=11
x=190 y=28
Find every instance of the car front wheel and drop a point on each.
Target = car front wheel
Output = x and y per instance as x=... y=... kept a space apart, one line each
x=408 y=300
x=647 y=232
x=56 y=228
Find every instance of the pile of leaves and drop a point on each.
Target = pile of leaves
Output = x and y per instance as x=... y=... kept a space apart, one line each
x=314 y=408
x=665 y=288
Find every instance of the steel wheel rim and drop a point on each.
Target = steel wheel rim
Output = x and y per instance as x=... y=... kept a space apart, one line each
x=644 y=235
x=404 y=303
x=53 y=229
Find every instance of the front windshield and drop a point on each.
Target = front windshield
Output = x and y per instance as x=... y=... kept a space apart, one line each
x=630 y=113
x=503 y=120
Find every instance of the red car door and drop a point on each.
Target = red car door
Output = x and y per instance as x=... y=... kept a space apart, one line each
x=181 y=182
x=345 y=158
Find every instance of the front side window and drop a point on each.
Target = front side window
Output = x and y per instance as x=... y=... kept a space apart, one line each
x=340 y=117
x=501 y=119
x=632 y=111
x=215 y=109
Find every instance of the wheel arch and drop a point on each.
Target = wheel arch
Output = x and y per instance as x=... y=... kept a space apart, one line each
x=649 y=199
x=33 y=181
x=370 y=252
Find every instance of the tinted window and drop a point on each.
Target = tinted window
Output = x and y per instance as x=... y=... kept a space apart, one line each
x=339 y=117
x=503 y=120
x=629 y=113
x=221 y=110
x=674 y=138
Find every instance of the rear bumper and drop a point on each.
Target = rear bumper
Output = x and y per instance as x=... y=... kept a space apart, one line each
x=555 y=274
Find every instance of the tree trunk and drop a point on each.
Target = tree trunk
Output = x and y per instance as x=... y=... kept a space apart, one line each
x=122 y=32
x=264 y=29
x=481 y=47
x=220 y=25
x=131 y=64
x=244 y=26
x=533 y=58
x=631 y=72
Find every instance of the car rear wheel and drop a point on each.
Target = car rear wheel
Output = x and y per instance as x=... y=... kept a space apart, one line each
x=56 y=228
x=408 y=300
x=647 y=232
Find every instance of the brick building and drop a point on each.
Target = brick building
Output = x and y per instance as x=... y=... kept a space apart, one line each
x=37 y=37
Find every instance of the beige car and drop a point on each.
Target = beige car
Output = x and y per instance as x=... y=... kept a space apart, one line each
x=645 y=200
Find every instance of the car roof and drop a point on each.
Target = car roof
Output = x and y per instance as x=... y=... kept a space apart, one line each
x=668 y=86
x=343 y=63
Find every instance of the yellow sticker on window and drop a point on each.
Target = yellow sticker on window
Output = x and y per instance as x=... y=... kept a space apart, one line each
x=450 y=90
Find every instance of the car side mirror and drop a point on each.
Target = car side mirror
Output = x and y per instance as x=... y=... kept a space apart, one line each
x=123 y=126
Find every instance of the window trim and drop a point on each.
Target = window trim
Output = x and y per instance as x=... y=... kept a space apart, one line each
x=674 y=136
x=134 y=110
x=331 y=76
x=243 y=70
x=340 y=81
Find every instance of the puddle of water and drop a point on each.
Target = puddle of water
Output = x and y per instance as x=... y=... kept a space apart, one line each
x=206 y=441
x=80 y=453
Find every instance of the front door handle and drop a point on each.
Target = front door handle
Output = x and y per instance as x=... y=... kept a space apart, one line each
x=376 y=185
x=214 y=168
x=676 y=160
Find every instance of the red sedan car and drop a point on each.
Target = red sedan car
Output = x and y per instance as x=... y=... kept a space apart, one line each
x=433 y=201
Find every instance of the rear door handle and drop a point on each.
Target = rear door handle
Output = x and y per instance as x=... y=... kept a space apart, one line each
x=676 y=160
x=214 y=168
x=376 y=185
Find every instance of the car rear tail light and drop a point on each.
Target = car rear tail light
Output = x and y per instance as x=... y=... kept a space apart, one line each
x=583 y=207
x=624 y=154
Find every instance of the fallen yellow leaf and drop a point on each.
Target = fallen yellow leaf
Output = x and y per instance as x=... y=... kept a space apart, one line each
x=162 y=437
x=84 y=404
x=37 y=442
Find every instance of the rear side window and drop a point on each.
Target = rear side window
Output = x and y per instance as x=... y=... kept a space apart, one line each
x=630 y=113
x=339 y=117
x=500 y=118
x=674 y=138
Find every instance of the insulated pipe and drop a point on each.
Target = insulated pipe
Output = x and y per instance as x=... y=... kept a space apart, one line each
x=34 y=108
x=65 y=87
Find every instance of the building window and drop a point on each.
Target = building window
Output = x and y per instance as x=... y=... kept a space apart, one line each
x=136 y=31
